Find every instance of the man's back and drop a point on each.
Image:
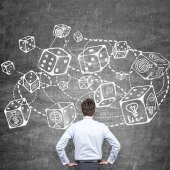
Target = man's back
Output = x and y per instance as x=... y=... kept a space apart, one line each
x=93 y=134
x=88 y=136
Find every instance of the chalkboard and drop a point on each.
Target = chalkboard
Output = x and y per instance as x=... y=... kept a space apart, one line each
x=56 y=53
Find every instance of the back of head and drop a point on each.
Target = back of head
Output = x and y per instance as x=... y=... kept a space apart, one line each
x=88 y=107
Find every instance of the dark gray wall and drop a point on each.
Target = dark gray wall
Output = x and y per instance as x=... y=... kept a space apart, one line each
x=144 y=24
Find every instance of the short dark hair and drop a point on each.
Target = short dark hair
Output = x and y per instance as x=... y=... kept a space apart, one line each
x=88 y=107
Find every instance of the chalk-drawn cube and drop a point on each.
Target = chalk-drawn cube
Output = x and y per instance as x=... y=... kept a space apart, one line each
x=17 y=113
x=120 y=50
x=93 y=59
x=61 y=30
x=85 y=82
x=139 y=105
x=63 y=85
x=150 y=65
x=105 y=94
x=61 y=115
x=78 y=36
x=8 y=67
x=31 y=81
x=27 y=43
x=54 y=61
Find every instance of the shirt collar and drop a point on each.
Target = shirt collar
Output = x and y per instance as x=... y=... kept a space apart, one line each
x=87 y=117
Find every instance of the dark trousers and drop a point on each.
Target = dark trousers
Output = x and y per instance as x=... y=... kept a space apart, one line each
x=89 y=166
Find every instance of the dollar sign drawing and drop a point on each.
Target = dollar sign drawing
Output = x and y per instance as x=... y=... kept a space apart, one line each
x=16 y=121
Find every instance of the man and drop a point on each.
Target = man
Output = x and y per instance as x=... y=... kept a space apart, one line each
x=88 y=136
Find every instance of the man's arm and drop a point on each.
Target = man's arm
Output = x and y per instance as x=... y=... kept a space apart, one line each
x=114 y=143
x=62 y=143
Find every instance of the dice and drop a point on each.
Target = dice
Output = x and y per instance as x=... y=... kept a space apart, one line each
x=61 y=30
x=8 y=67
x=54 y=61
x=105 y=94
x=78 y=36
x=31 y=81
x=17 y=113
x=61 y=115
x=93 y=59
x=85 y=82
x=139 y=105
x=150 y=65
x=63 y=85
x=120 y=50
x=26 y=44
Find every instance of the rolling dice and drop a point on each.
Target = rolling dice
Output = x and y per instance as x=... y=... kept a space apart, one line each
x=31 y=81
x=61 y=115
x=17 y=113
x=139 y=105
x=93 y=59
x=85 y=82
x=54 y=61
x=120 y=50
x=78 y=36
x=105 y=94
x=61 y=30
x=63 y=85
x=150 y=65
x=27 y=44
x=8 y=67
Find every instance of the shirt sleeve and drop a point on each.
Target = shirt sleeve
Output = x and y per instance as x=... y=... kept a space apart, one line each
x=62 y=143
x=108 y=135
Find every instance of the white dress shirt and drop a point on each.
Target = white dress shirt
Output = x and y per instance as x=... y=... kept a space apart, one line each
x=88 y=136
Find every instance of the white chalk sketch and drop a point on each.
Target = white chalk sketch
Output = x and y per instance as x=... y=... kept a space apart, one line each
x=105 y=94
x=150 y=65
x=120 y=50
x=140 y=105
x=17 y=113
x=63 y=85
x=61 y=115
x=61 y=30
x=31 y=81
x=54 y=61
x=121 y=75
x=93 y=59
x=8 y=67
x=26 y=44
x=78 y=36
x=85 y=82
x=127 y=85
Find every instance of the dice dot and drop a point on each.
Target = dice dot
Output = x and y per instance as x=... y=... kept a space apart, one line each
x=15 y=106
x=42 y=65
x=134 y=89
x=58 y=52
x=46 y=55
x=56 y=70
x=44 y=61
x=139 y=95
x=65 y=61
x=92 y=59
x=86 y=68
x=50 y=63
x=144 y=88
x=89 y=64
x=126 y=97
x=52 y=59
x=130 y=93
x=91 y=50
x=101 y=55
x=49 y=68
